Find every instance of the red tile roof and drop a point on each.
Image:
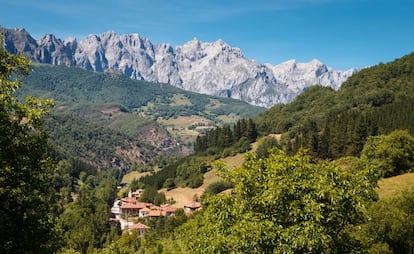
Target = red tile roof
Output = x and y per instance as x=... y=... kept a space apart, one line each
x=169 y=208
x=155 y=213
x=154 y=207
x=138 y=205
x=145 y=209
x=129 y=200
x=138 y=226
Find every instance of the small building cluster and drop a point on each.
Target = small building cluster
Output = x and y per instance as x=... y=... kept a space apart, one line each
x=131 y=207
x=141 y=228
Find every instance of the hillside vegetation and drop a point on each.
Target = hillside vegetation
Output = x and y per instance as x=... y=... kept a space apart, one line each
x=329 y=124
x=108 y=120
x=332 y=124
x=366 y=127
x=70 y=87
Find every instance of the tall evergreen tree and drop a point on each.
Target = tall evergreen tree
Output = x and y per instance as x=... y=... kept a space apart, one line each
x=237 y=134
x=251 y=131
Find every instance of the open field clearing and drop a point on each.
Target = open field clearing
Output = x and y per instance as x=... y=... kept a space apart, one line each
x=389 y=187
x=180 y=100
x=184 y=121
x=183 y=196
x=134 y=174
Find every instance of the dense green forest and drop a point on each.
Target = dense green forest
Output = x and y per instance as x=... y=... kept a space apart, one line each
x=73 y=137
x=332 y=124
x=312 y=191
x=240 y=135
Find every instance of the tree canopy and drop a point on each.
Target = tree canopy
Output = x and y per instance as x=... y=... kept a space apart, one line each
x=282 y=204
x=26 y=191
x=391 y=154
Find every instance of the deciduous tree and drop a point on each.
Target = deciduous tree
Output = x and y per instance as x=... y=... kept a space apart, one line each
x=281 y=204
x=26 y=191
x=391 y=154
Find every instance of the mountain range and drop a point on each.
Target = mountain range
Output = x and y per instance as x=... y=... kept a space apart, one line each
x=213 y=68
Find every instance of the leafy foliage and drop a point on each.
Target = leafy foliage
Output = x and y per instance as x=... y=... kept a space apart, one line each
x=391 y=227
x=83 y=221
x=183 y=172
x=151 y=195
x=282 y=204
x=217 y=187
x=391 y=154
x=26 y=192
x=265 y=145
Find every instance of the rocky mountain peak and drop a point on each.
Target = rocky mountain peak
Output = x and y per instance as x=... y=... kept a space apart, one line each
x=316 y=62
x=68 y=42
x=213 y=68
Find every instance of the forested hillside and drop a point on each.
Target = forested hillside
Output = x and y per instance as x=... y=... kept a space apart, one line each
x=329 y=124
x=333 y=124
x=109 y=120
x=74 y=86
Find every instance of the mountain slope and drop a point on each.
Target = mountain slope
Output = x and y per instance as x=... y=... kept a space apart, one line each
x=210 y=68
x=377 y=100
x=108 y=119
x=71 y=86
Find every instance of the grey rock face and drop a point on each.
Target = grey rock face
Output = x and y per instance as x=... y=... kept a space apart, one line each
x=211 y=68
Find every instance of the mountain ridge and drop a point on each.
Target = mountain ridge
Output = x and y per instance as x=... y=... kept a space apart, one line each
x=213 y=68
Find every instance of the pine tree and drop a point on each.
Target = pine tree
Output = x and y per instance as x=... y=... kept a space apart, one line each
x=237 y=133
x=251 y=132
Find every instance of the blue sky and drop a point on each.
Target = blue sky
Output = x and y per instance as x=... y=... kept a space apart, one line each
x=340 y=33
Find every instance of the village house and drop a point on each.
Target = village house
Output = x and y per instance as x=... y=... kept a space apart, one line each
x=155 y=213
x=144 y=212
x=168 y=210
x=141 y=228
x=192 y=207
x=131 y=200
x=131 y=207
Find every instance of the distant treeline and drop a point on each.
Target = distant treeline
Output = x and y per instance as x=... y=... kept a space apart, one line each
x=189 y=171
x=332 y=124
x=213 y=142
x=183 y=172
